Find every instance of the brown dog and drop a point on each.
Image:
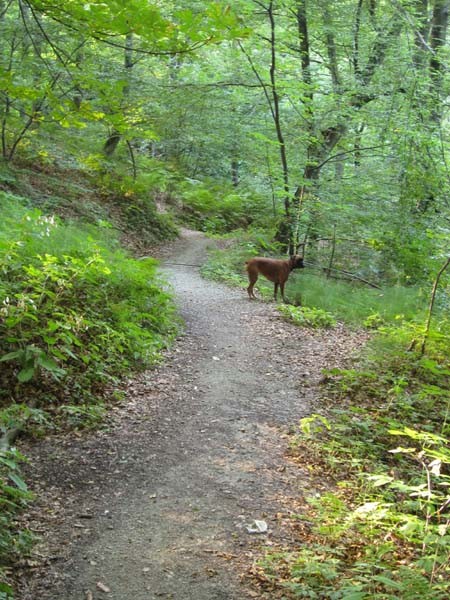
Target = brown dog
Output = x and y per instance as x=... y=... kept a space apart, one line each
x=274 y=270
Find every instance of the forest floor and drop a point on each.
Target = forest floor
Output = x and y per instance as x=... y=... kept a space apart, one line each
x=157 y=504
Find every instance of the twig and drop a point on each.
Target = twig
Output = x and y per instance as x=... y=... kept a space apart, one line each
x=339 y=154
x=133 y=160
x=352 y=275
x=430 y=308
x=333 y=249
x=181 y=264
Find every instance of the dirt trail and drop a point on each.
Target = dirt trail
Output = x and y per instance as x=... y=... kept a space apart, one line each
x=157 y=506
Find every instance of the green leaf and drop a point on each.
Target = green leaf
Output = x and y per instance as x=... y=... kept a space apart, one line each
x=379 y=480
x=356 y=595
x=18 y=481
x=47 y=363
x=11 y=355
x=389 y=583
x=26 y=374
x=8 y=462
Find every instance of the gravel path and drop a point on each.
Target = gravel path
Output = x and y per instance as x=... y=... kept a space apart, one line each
x=157 y=505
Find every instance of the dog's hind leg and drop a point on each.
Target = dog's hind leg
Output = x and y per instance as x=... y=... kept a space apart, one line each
x=253 y=277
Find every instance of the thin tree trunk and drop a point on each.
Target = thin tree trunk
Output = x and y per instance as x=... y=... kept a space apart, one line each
x=322 y=143
x=78 y=96
x=235 y=172
x=277 y=118
x=284 y=233
x=325 y=141
x=431 y=306
x=357 y=27
x=421 y=34
x=438 y=34
x=115 y=136
x=333 y=250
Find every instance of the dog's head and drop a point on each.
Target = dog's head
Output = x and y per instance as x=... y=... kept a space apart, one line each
x=297 y=262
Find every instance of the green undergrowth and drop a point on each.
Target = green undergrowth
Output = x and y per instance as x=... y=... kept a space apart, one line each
x=303 y=316
x=352 y=303
x=76 y=310
x=14 y=497
x=95 y=190
x=378 y=525
x=217 y=208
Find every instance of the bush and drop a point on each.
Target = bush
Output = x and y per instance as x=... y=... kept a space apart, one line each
x=219 y=209
x=75 y=311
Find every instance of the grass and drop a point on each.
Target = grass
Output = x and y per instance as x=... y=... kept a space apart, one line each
x=352 y=303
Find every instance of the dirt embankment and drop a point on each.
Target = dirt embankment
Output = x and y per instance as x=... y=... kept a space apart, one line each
x=157 y=506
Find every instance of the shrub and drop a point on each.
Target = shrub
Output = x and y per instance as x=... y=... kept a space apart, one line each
x=75 y=311
x=219 y=209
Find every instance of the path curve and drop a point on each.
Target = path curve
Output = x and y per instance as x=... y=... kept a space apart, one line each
x=157 y=506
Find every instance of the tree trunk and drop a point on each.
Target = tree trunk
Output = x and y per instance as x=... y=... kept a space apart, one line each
x=115 y=136
x=438 y=36
x=277 y=117
x=235 y=172
x=325 y=141
x=421 y=34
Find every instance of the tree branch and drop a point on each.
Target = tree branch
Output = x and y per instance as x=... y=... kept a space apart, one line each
x=101 y=36
x=339 y=154
x=258 y=77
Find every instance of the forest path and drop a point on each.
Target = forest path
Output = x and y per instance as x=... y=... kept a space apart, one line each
x=157 y=505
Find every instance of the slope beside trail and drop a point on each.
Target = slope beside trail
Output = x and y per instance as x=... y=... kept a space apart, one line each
x=157 y=505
